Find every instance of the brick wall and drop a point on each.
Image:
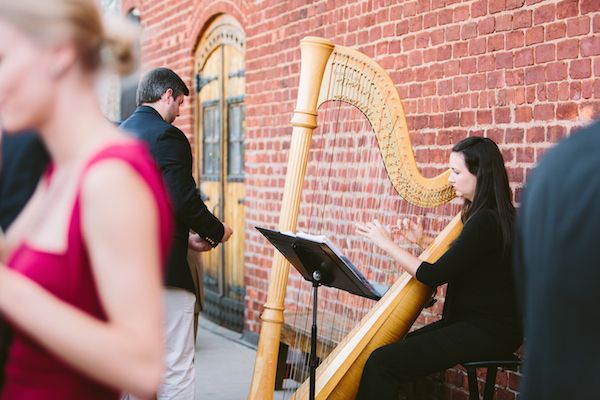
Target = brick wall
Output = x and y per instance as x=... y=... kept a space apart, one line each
x=522 y=72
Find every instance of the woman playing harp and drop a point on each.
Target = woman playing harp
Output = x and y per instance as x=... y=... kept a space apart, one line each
x=352 y=97
x=480 y=318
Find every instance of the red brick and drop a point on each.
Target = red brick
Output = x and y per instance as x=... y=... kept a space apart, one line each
x=596 y=23
x=515 y=78
x=436 y=37
x=495 y=42
x=580 y=69
x=555 y=133
x=461 y=84
x=461 y=14
x=535 y=74
x=495 y=6
x=485 y=63
x=514 y=39
x=401 y=28
x=514 y=135
x=452 y=33
x=467 y=118
x=504 y=60
x=556 y=31
x=468 y=65
x=578 y=26
x=588 y=6
x=476 y=46
x=523 y=114
x=567 y=49
x=460 y=50
x=512 y=4
x=545 y=53
x=567 y=111
x=534 y=35
x=543 y=14
x=445 y=16
x=451 y=68
x=479 y=8
x=484 y=117
x=567 y=8
x=477 y=82
x=486 y=26
x=444 y=52
x=543 y=112
x=521 y=19
x=556 y=71
x=495 y=80
x=503 y=23
x=590 y=46
x=527 y=155
x=523 y=57
x=437 y=4
x=468 y=31
x=502 y=115
x=535 y=135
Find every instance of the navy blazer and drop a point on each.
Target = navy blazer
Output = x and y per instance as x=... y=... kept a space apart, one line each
x=23 y=161
x=173 y=155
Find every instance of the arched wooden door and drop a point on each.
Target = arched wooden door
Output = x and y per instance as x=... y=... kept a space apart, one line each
x=220 y=126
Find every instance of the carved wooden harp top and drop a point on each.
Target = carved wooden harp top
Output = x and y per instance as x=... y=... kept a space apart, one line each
x=354 y=78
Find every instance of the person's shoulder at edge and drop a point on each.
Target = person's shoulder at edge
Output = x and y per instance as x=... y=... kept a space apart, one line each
x=580 y=140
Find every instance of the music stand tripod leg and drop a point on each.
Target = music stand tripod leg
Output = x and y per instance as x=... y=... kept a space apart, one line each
x=313 y=335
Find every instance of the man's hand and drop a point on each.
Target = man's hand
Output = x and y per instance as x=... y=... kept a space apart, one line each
x=196 y=243
x=227 y=233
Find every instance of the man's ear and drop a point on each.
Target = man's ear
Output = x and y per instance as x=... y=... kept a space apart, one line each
x=168 y=95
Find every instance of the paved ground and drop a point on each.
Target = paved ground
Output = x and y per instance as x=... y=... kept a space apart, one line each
x=224 y=364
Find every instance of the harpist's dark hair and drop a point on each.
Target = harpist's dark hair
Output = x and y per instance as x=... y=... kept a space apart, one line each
x=484 y=160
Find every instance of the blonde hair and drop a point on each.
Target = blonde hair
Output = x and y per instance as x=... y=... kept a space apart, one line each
x=80 y=22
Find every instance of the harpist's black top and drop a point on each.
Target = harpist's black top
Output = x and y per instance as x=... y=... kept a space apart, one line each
x=479 y=274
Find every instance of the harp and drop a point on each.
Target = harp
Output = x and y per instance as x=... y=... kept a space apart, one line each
x=337 y=73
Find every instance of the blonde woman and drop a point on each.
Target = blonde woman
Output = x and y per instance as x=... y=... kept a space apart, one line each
x=80 y=282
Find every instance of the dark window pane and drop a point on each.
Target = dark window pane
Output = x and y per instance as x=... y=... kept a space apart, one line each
x=236 y=117
x=210 y=141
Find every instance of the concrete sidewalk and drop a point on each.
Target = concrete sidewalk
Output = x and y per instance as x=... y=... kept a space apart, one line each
x=224 y=364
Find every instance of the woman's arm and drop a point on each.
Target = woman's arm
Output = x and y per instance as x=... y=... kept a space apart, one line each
x=120 y=227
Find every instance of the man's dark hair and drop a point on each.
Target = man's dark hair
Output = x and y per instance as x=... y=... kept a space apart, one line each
x=158 y=81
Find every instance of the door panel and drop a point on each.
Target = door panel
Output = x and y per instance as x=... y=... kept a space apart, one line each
x=234 y=183
x=220 y=126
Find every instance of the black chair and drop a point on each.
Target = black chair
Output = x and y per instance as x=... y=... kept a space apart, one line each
x=512 y=363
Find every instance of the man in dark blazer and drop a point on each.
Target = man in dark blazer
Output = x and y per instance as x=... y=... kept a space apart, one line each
x=160 y=94
x=558 y=236
x=22 y=162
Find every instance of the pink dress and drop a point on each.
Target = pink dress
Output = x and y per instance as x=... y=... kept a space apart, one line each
x=33 y=373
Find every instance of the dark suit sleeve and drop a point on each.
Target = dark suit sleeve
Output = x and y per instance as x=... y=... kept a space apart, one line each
x=174 y=159
x=478 y=239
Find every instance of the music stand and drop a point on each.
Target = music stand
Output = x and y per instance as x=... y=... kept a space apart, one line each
x=321 y=264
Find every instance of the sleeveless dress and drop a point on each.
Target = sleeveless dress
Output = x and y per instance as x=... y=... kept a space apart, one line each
x=31 y=372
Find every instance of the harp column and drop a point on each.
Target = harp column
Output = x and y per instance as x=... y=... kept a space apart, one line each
x=314 y=53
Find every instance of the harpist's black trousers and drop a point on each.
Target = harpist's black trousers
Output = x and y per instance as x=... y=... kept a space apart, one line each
x=433 y=348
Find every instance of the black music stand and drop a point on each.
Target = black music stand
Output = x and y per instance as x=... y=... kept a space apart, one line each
x=322 y=264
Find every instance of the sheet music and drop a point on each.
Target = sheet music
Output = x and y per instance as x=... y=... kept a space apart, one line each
x=375 y=287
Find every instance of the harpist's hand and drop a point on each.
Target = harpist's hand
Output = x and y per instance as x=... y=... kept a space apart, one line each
x=411 y=231
x=378 y=233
